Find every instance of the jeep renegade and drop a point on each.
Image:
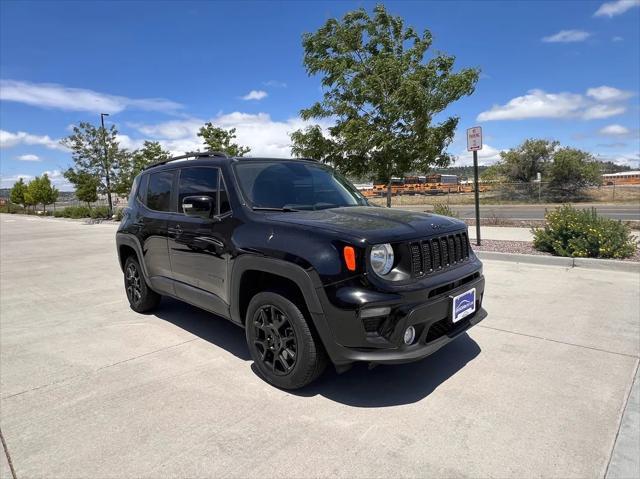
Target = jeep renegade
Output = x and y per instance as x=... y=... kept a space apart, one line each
x=292 y=252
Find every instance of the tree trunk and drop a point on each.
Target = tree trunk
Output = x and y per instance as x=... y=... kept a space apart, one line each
x=389 y=194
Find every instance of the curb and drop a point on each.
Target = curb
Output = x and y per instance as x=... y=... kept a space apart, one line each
x=565 y=262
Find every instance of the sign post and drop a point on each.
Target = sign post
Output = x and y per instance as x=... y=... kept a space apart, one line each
x=474 y=143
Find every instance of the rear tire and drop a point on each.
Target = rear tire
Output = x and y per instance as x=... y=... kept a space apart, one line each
x=283 y=346
x=141 y=298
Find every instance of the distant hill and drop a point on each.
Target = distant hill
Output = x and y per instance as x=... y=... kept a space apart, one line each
x=62 y=196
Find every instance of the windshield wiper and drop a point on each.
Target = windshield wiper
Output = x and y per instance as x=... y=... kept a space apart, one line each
x=269 y=208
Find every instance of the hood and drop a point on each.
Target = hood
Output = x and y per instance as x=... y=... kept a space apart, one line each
x=374 y=225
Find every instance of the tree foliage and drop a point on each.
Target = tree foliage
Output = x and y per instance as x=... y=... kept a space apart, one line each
x=524 y=162
x=85 y=184
x=17 y=193
x=565 y=171
x=40 y=191
x=151 y=152
x=87 y=145
x=382 y=95
x=219 y=139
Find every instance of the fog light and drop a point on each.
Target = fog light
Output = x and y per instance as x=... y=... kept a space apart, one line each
x=409 y=335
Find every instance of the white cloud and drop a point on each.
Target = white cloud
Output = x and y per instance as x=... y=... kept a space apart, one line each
x=56 y=176
x=125 y=141
x=29 y=158
x=8 y=181
x=255 y=95
x=617 y=38
x=567 y=36
x=617 y=7
x=631 y=159
x=171 y=129
x=608 y=93
x=602 y=111
x=597 y=103
x=265 y=136
x=9 y=139
x=58 y=180
x=536 y=104
x=487 y=156
x=614 y=130
x=49 y=95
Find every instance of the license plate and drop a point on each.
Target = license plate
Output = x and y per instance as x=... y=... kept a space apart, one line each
x=463 y=305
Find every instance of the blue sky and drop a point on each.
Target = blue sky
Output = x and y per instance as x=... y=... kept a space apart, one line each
x=567 y=70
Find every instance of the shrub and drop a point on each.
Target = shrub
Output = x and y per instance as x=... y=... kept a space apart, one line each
x=74 y=212
x=444 y=210
x=584 y=234
x=100 y=212
x=119 y=214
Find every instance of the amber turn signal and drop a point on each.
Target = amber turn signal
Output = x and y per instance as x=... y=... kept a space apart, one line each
x=350 y=257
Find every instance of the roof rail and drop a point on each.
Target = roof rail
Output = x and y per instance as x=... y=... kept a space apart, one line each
x=194 y=154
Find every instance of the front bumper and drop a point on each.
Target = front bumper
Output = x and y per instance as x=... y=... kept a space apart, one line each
x=349 y=338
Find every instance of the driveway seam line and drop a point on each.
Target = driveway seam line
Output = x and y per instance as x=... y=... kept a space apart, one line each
x=8 y=456
x=624 y=409
x=146 y=354
x=98 y=369
x=559 y=342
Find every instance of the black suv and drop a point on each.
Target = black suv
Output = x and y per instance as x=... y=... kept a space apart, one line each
x=292 y=252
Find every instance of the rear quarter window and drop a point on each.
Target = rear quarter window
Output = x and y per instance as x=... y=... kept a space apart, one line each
x=159 y=191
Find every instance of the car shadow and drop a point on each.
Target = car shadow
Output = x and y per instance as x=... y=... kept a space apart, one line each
x=382 y=386
x=394 y=385
x=208 y=326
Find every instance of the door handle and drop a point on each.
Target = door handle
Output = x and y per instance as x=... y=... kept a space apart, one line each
x=176 y=230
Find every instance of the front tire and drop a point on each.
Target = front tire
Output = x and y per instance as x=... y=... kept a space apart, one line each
x=141 y=298
x=281 y=343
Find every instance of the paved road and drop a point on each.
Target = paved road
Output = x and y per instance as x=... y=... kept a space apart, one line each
x=91 y=389
x=534 y=212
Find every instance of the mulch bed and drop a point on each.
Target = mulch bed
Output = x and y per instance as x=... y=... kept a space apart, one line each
x=524 y=247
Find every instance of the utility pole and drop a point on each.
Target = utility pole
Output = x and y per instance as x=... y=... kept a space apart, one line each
x=106 y=162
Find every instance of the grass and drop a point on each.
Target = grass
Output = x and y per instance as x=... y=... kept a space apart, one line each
x=622 y=195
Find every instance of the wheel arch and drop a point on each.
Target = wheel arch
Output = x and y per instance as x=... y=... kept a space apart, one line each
x=252 y=274
x=128 y=246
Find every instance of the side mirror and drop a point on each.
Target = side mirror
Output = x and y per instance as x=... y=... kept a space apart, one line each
x=198 y=206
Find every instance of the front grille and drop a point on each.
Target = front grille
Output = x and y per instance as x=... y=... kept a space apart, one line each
x=436 y=254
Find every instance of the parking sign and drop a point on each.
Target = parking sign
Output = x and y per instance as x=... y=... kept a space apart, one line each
x=474 y=138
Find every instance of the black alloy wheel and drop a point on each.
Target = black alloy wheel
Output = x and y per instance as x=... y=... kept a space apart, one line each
x=275 y=339
x=133 y=285
x=283 y=344
x=141 y=297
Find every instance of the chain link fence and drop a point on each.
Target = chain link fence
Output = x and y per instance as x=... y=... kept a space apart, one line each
x=517 y=193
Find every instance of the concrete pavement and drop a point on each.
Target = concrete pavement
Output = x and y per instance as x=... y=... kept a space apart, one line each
x=88 y=388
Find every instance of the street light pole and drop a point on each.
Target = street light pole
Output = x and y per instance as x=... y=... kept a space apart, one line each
x=106 y=162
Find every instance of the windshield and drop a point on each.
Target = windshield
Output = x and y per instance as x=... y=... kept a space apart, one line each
x=295 y=185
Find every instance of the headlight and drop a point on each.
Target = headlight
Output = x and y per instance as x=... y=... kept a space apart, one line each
x=381 y=258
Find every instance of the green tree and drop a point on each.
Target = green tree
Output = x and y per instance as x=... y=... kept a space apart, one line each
x=41 y=191
x=219 y=139
x=523 y=163
x=570 y=171
x=17 y=193
x=85 y=184
x=87 y=145
x=565 y=171
x=151 y=152
x=383 y=94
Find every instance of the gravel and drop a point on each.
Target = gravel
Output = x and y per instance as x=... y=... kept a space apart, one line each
x=524 y=247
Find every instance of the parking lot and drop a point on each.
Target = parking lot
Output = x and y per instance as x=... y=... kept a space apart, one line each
x=91 y=389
